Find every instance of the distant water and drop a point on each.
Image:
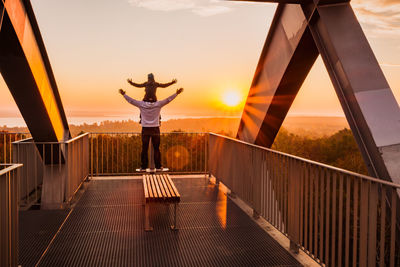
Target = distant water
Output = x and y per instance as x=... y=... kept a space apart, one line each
x=19 y=121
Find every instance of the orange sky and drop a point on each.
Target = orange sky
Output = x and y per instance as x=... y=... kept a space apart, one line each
x=209 y=46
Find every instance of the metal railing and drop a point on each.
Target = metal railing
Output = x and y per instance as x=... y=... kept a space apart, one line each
x=119 y=153
x=31 y=175
x=338 y=217
x=57 y=169
x=9 y=214
x=6 y=140
x=77 y=164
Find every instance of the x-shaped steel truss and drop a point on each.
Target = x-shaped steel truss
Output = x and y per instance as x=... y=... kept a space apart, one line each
x=300 y=31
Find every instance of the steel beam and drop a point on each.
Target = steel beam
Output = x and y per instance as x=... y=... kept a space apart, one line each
x=301 y=2
x=26 y=69
x=366 y=98
x=271 y=1
x=1 y=12
x=288 y=55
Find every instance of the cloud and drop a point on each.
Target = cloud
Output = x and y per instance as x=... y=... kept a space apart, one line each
x=211 y=10
x=389 y=65
x=199 y=7
x=380 y=17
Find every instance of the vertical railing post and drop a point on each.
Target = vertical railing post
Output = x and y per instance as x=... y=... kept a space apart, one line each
x=205 y=154
x=293 y=206
x=91 y=156
x=15 y=201
x=372 y=223
x=5 y=148
x=392 y=256
x=9 y=198
x=3 y=219
x=70 y=159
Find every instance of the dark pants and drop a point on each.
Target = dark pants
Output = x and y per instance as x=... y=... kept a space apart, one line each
x=154 y=134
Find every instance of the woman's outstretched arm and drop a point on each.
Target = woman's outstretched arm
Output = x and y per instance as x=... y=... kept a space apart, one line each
x=136 y=84
x=163 y=85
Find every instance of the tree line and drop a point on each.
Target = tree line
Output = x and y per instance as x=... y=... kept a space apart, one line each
x=339 y=150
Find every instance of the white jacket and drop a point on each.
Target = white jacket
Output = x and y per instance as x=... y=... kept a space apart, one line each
x=150 y=111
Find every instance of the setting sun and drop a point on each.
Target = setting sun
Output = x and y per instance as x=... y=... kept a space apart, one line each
x=231 y=98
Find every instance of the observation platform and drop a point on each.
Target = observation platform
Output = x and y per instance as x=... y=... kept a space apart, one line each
x=105 y=228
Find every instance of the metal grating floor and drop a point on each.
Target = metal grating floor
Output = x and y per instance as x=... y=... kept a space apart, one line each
x=36 y=229
x=106 y=229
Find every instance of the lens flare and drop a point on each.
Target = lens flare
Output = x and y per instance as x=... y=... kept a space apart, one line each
x=177 y=157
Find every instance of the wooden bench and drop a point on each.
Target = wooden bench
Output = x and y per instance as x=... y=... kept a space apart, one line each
x=159 y=188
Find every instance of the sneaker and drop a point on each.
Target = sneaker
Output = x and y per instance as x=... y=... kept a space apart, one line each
x=160 y=169
x=142 y=170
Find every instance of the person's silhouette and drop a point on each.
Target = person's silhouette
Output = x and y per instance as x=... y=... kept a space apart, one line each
x=150 y=113
x=151 y=87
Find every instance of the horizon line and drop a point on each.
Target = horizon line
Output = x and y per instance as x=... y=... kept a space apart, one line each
x=23 y=125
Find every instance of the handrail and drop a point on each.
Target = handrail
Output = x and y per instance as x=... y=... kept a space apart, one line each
x=6 y=140
x=7 y=132
x=76 y=138
x=10 y=168
x=53 y=143
x=113 y=153
x=40 y=159
x=140 y=132
x=362 y=176
x=9 y=194
x=336 y=216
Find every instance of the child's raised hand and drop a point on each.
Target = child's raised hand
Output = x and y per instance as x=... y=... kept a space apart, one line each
x=180 y=90
x=122 y=92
